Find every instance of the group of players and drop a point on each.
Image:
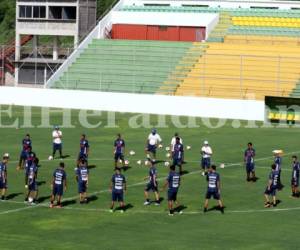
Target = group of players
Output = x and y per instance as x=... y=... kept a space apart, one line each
x=29 y=162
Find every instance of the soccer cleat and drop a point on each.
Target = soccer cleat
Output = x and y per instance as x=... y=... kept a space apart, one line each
x=171 y=214
x=146 y=203
x=205 y=210
x=222 y=210
x=267 y=204
x=59 y=206
x=203 y=174
x=51 y=205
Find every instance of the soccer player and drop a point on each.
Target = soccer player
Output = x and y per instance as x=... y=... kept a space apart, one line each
x=249 y=162
x=178 y=154
x=278 y=162
x=119 y=149
x=57 y=142
x=26 y=148
x=213 y=188
x=272 y=186
x=206 y=153
x=295 y=177
x=152 y=185
x=31 y=184
x=84 y=148
x=173 y=183
x=31 y=159
x=82 y=178
x=173 y=142
x=3 y=175
x=59 y=185
x=118 y=187
x=153 y=141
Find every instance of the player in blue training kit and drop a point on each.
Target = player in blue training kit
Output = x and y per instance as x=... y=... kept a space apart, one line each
x=31 y=159
x=173 y=183
x=213 y=188
x=26 y=149
x=119 y=150
x=84 y=149
x=152 y=185
x=118 y=187
x=82 y=178
x=295 y=177
x=272 y=186
x=178 y=154
x=59 y=184
x=3 y=176
x=278 y=163
x=31 y=184
x=249 y=162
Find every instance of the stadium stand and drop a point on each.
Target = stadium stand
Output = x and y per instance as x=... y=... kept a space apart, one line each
x=125 y=66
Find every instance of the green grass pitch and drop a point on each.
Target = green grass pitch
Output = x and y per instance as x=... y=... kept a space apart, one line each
x=246 y=224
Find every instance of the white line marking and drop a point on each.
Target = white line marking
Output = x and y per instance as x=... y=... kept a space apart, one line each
x=16 y=210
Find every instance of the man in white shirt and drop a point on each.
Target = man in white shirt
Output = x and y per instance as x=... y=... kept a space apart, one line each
x=153 y=141
x=173 y=141
x=206 y=153
x=57 y=141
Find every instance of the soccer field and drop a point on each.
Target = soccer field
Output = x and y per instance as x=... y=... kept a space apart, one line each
x=246 y=224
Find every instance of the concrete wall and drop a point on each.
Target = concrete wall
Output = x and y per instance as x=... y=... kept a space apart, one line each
x=135 y=103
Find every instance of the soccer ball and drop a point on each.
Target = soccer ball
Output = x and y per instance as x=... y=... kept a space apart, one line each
x=132 y=152
x=126 y=162
x=147 y=163
x=167 y=164
x=50 y=158
x=167 y=148
x=120 y=161
x=139 y=162
x=168 y=155
x=6 y=155
x=160 y=146
x=222 y=165
x=30 y=199
x=188 y=147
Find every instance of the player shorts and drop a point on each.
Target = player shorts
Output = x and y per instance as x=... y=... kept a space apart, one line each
x=177 y=162
x=250 y=167
x=57 y=146
x=212 y=193
x=295 y=182
x=117 y=196
x=119 y=156
x=152 y=187
x=205 y=163
x=33 y=187
x=172 y=195
x=58 y=190
x=3 y=185
x=24 y=155
x=82 y=187
x=271 y=191
x=151 y=148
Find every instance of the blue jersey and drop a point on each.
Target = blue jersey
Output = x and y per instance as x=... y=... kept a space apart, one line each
x=174 y=181
x=26 y=145
x=31 y=173
x=3 y=170
x=82 y=174
x=84 y=145
x=119 y=146
x=273 y=177
x=59 y=176
x=118 y=181
x=249 y=155
x=178 y=151
x=152 y=175
x=30 y=159
x=277 y=162
x=296 y=169
x=213 y=178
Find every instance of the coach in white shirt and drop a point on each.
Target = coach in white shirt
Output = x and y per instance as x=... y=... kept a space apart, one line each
x=57 y=141
x=153 y=141
x=206 y=153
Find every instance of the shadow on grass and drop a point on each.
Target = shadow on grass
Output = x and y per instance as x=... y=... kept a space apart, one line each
x=40 y=183
x=13 y=195
x=43 y=198
x=126 y=207
x=68 y=202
